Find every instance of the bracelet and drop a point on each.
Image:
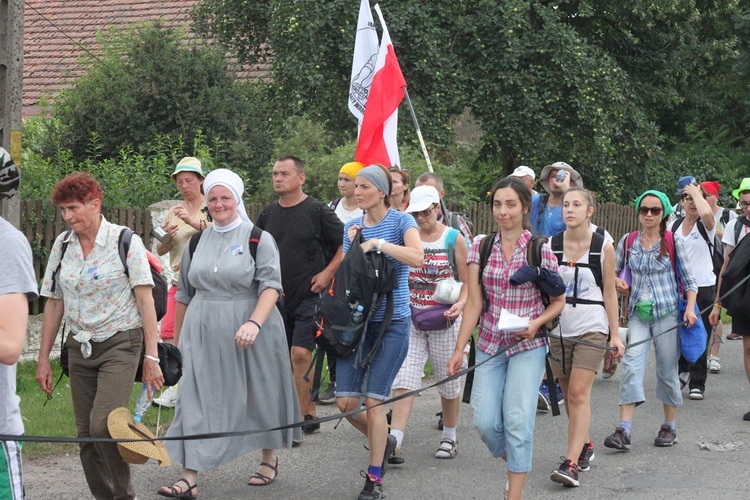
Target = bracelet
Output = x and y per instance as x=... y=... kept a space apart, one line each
x=717 y=304
x=152 y=358
x=251 y=320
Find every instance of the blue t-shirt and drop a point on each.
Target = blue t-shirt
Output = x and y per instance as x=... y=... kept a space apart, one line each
x=551 y=222
x=392 y=229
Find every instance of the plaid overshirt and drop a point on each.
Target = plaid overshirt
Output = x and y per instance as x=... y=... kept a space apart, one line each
x=648 y=270
x=523 y=300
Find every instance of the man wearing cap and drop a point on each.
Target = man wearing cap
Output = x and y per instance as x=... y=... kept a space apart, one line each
x=310 y=238
x=18 y=286
x=527 y=175
x=546 y=209
x=445 y=216
x=346 y=207
x=732 y=237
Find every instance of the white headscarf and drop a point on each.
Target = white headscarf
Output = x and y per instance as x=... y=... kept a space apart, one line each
x=233 y=182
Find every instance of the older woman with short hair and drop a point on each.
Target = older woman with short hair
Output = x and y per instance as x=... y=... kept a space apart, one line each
x=110 y=313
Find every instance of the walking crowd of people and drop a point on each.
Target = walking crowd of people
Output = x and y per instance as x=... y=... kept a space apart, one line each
x=538 y=302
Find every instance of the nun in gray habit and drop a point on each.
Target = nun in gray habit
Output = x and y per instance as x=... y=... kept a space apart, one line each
x=236 y=370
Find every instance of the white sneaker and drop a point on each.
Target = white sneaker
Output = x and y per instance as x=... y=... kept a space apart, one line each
x=713 y=364
x=168 y=398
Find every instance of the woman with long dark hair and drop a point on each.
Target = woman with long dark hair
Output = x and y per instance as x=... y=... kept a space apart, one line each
x=505 y=387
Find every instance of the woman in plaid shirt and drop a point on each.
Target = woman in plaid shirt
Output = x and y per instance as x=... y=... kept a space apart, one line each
x=653 y=309
x=505 y=388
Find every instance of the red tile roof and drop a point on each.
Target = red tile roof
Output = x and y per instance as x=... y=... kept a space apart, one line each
x=55 y=30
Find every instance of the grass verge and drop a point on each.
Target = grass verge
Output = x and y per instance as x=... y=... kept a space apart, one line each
x=56 y=418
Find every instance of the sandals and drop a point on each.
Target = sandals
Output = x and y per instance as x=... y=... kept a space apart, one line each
x=443 y=452
x=265 y=480
x=175 y=493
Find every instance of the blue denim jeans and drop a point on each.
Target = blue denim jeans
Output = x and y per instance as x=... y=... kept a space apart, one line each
x=667 y=351
x=504 y=404
x=385 y=364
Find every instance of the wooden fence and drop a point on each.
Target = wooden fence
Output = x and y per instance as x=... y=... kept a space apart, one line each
x=41 y=222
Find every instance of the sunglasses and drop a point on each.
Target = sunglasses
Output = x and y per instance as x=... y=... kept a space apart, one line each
x=423 y=213
x=653 y=210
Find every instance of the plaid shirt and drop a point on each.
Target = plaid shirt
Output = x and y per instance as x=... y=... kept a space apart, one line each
x=523 y=300
x=657 y=273
x=463 y=226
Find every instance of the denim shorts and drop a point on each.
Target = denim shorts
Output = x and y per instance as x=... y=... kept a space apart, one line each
x=385 y=364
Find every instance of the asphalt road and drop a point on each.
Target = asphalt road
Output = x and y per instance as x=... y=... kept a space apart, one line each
x=327 y=464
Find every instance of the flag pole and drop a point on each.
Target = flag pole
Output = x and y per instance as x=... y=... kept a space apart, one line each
x=419 y=131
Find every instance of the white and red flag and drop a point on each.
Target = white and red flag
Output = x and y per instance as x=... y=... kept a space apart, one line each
x=363 y=63
x=377 y=136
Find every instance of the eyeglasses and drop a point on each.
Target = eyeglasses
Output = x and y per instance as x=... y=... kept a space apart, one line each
x=744 y=204
x=653 y=210
x=423 y=213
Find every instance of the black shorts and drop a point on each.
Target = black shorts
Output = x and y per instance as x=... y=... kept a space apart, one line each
x=740 y=327
x=300 y=324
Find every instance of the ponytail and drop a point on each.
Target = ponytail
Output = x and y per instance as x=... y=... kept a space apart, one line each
x=663 y=241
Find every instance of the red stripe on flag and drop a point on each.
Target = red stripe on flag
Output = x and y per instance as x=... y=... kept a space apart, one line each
x=386 y=93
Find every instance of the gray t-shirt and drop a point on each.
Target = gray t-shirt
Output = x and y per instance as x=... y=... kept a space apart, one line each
x=16 y=276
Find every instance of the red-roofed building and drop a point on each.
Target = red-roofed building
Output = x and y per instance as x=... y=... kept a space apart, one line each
x=55 y=33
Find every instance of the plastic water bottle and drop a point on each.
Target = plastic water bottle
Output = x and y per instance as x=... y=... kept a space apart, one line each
x=358 y=314
x=142 y=405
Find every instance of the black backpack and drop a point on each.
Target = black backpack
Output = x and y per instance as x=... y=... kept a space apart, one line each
x=159 y=291
x=736 y=272
x=715 y=247
x=595 y=264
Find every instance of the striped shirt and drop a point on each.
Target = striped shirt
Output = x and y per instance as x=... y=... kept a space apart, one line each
x=648 y=270
x=392 y=229
x=524 y=300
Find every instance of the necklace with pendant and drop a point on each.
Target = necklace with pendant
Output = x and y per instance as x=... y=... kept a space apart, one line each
x=221 y=253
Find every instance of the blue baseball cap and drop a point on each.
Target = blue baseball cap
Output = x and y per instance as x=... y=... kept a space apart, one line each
x=685 y=181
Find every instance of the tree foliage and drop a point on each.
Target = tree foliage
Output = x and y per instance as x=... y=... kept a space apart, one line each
x=601 y=84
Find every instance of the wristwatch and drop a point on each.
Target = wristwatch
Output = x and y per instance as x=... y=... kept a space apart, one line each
x=381 y=242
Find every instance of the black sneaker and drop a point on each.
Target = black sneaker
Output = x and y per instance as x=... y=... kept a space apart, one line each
x=746 y=416
x=667 y=436
x=566 y=474
x=396 y=458
x=310 y=428
x=619 y=440
x=373 y=489
x=586 y=456
x=390 y=447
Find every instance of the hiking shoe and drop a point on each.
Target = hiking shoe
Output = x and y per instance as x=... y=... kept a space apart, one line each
x=327 y=397
x=542 y=402
x=586 y=456
x=696 y=394
x=566 y=474
x=310 y=428
x=618 y=440
x=390 y=447
x=396 y=458
x=713 y=364
x=373 y=489
x=666 y=437
x=167 y=399
x=734 y=336
x=746 y=416
x=684 y=379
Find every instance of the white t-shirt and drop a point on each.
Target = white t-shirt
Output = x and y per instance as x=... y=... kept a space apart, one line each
x=728 y=238
x=581 y=318
x=698 y=253
x=345 y=215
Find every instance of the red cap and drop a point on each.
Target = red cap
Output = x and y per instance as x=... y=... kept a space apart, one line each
x=711 y=187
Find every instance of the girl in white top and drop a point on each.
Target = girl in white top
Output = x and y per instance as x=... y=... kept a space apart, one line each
x=590 y=314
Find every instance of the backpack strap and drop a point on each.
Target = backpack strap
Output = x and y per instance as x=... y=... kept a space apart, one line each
x=534 y=250
x=600 y=230
x=334 y=203
x=738 y=223
x=724 y=216
x=123 y=247
x=629 y=241
x=485 y=250
x=56 y=273
x=556 y=242
x=193 y=243
x=261 y=220
x=543 y=199
x=252 y=244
